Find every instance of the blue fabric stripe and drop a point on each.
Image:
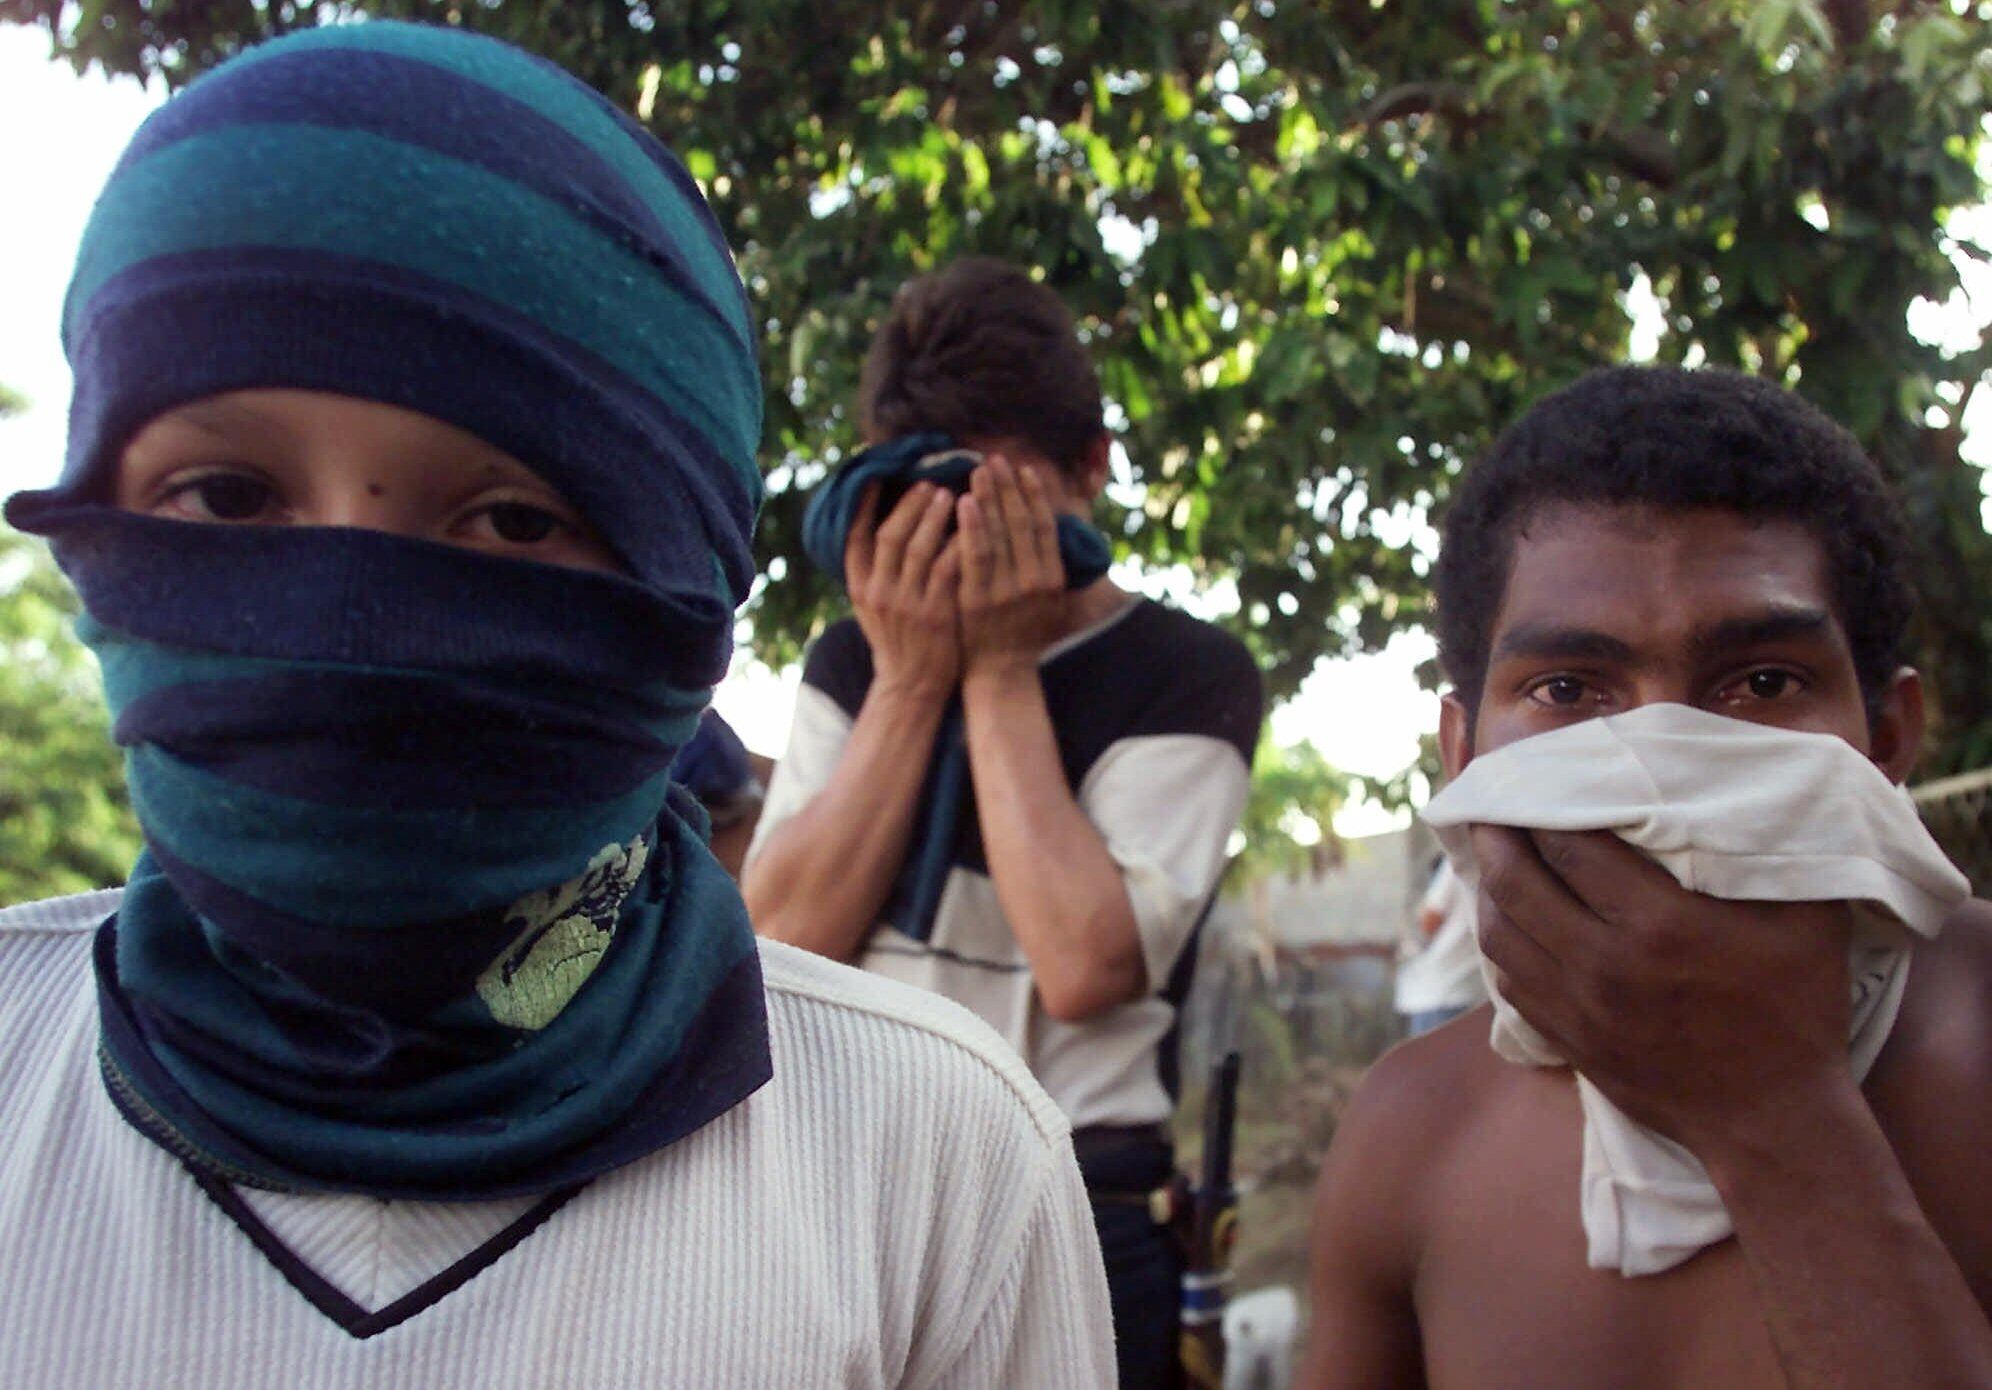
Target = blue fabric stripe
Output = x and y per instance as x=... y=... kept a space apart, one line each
x=650 y=482
x=354 y=194
x=452 y=951
x=485 y=127
x=275 y=847
x=362 y=740
x=349 y=597
x=653 y=171
x=496 y=1130
x=135 y=670
x=627 y=985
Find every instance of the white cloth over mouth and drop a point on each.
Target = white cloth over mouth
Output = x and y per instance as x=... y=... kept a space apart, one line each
x=1734 y=810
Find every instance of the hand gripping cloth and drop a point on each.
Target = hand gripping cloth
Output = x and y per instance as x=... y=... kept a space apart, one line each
x=1734 y=810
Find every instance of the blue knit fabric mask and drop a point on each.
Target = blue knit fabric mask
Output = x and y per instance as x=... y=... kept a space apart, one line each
x=420 y=913
x=410 y=921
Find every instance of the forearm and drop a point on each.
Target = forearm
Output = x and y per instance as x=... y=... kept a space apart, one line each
x=821 y=880
x=1856 y=1286
x=1061 y=891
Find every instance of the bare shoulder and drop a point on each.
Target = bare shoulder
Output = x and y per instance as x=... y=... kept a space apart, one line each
x=1371 y=1206
x=1932 y=1088
x=1944 y=1032
x=1415 y=1104
x=1429 y=1085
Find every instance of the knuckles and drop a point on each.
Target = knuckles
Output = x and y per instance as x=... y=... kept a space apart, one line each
x=1499 y=866
x=1656 y=942
x=1562 y=853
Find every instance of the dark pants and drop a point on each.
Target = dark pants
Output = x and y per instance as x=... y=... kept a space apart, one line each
x=1144 y=1261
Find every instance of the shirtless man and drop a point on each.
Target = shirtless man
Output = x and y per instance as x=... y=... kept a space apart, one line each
x=1708 y=540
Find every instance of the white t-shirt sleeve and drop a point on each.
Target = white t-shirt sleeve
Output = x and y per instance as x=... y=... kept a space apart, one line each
x=1443 y=893
x=816 y=742
x=1166 y=805
x=1049 y=1324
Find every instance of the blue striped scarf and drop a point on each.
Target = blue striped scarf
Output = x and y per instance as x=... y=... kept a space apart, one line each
x=420 y=912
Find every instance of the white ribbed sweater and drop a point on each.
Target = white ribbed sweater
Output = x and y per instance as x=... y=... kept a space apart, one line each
x=898 y=1207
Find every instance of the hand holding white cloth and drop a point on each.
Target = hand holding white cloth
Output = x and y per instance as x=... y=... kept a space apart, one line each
x=1734 y=810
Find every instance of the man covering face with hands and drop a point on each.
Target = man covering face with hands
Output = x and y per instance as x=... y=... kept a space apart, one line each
x=1009 y=780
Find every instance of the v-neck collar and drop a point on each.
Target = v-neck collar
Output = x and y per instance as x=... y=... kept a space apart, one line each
x=356 y=1320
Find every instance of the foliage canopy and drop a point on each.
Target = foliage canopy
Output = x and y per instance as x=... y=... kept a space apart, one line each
x=1322 y=251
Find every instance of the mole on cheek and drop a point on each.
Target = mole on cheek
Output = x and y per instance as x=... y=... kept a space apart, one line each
x=376 y=490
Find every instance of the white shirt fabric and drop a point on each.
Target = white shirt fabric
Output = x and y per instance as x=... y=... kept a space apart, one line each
x=1164 y=803
x=1734 y=810
x=898 y=1207
x=1445 y=972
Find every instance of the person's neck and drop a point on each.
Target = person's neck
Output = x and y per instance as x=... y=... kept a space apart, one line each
x=1093 y=604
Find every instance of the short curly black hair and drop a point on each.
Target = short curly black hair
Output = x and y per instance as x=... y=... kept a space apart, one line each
x=1674 y=438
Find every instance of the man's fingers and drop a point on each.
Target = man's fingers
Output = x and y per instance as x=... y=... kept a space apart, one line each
x=1538 y=1009
x=897 y=529
x=1512 y=951
x=1010 y=508
x=925 y=542
x=945 y=576
x=997 y=558
x=1611 y=878
x=1043 y=523
x=1019 y=534
x=974 y=545
x=1514 y=877
x=858 y=546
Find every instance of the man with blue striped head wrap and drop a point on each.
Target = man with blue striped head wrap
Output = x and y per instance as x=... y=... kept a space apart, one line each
x=410 y=493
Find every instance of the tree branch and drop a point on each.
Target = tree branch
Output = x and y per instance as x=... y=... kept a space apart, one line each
x=1849 y=20
x=1645 y=154
x=1417 y=99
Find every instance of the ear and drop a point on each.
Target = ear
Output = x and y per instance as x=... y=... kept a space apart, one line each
x=1097 y=466
x=1455 y=734
x=1895 y=729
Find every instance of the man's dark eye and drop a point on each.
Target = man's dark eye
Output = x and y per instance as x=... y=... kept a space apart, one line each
x=1768 y=685
x=232 y=496
x=1563 y=690
x=520 y=524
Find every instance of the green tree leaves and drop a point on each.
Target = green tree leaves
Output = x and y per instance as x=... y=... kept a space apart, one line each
x=1322 y=252
x=65 y=823
x=1288 y=828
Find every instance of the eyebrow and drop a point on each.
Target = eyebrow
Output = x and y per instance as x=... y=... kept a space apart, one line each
x=215 y=417
x=1551 y=641
x=1781 y=624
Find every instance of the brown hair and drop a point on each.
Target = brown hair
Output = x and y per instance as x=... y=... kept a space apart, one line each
x=979 y=349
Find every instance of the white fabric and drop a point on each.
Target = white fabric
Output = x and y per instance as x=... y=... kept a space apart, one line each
x=817 y=736
x=1164 y=804
x=1734 y=810
x=899 y=1206
x=1445 y=972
